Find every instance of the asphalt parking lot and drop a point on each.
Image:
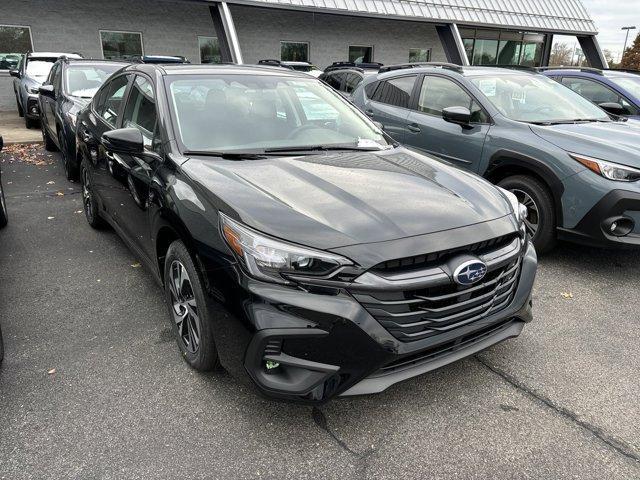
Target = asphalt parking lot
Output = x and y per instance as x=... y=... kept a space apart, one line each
x=93 y=386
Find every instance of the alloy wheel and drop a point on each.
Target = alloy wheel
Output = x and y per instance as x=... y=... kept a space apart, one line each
x=184 y=307
x=532 y=221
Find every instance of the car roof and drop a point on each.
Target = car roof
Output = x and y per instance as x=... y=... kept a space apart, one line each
x=220 y=69
x=53 y=55
x=589 y=71
x=465 y=71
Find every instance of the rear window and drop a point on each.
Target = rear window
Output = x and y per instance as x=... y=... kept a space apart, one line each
x=396 y=91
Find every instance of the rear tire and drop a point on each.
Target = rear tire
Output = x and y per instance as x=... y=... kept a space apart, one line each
x=541 y=216
x=20 y=110
x=188 y=309
x=89 y=203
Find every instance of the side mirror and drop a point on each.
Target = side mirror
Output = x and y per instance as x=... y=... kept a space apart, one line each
x=128 y=141
x=379 y=125
x=47 y=91
x=457 y=115
x=14 y=73
x=613 y=108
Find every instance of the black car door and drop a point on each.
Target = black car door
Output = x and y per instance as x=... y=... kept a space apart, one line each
x=133 y=173
x=47 y=105
x=105 y=115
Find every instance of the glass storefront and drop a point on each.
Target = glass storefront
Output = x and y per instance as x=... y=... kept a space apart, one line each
x=501 y=47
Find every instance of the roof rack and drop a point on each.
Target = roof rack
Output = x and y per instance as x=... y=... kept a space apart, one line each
x=597 y=71
x=401 y=66
x=274 y=63
x=360 y=65
x=624 y=70
x=525 y=68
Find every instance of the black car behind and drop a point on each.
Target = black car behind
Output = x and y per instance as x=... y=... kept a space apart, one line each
x=69 y=87
x=297 y=245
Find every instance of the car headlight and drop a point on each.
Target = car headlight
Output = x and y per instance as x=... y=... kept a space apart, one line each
x=272 y=260
x=519 y=210
x=612 y=171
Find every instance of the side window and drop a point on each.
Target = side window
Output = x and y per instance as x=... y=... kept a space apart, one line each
x=351 y=82
x=438 y=93
x=334 y=80
x=370 y=89
x=108 y=107
x=52 y=73
x=57 y=77
x=396 y=91
x=594 y=91
x=140 y=111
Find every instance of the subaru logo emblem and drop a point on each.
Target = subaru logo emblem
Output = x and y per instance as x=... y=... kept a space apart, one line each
x=470 y=272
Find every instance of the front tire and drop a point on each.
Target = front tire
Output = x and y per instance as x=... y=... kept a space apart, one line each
x=20 y=109
x=89 y=202
x=30 y=122
x=188 y=310
x=541 y=217
x=70 y=169
x=4 y=218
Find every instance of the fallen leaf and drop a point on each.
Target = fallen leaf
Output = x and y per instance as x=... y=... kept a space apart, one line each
x=51 y=183
x=50 y=218
x=60 y=194
x=78 y=211
x=52 y=371
x=567 y=294
x=136 y=265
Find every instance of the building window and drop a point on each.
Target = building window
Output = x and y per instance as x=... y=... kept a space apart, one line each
x=294 y=51
x=120 y=45
x=209 y=50
x=360 y=54
x=419 y=55
x=14 y=42
x=497 y=47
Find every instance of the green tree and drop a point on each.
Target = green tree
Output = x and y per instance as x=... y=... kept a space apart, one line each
x=631 y=57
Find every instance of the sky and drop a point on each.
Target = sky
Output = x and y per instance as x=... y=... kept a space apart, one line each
x=610 y=16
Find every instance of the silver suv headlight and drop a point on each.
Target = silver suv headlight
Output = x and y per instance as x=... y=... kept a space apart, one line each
x=272 y=260
x=612 y=171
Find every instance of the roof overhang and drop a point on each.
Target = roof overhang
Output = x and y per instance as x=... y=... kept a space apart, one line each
x=554 y=16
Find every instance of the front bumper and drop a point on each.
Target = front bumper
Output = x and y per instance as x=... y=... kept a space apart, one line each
x=327 y=344
x=594 y=228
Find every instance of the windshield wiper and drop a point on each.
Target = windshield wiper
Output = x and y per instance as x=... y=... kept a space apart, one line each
x=567 y=122
x=321 y=148
x=227 y=155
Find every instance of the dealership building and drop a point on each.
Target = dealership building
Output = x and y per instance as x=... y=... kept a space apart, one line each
x=507 y=32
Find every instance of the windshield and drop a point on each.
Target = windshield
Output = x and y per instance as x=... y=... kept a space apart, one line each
x=536 y=99
x=630 y=84
x=40 y=67
x=227 y=113
x=85 y=80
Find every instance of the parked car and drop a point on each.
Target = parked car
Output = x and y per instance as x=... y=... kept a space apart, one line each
x=316 y=256
x=572 y=165
x=616 y=91
x=344 y=77
x=3 y=223
x=32 y=70
x=69 y=87
x=305 y=67
x=9 y=61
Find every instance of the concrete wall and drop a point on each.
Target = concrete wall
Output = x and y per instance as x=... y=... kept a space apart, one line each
x=173 y=27
x=260 y=31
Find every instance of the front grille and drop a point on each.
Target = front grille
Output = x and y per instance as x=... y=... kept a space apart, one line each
x=432 y=259
x=416 y=314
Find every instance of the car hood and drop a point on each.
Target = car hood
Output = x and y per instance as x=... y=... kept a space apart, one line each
x=336 y=199
x=617 y=142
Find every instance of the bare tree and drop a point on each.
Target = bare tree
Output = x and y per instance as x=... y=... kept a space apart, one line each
x=561 y=54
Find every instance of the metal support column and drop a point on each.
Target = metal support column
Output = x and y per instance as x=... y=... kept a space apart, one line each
x=452 y=43
x=592 y=52
x=546 y=52
x=226 y=32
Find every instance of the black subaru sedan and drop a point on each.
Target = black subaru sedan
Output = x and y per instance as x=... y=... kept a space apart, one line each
x=297 y=245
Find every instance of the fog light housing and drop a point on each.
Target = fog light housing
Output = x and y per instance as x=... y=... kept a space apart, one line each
x=618 y=226
x=34 y=110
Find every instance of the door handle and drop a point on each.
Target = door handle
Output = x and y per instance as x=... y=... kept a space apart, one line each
x=369 y=112
x=413 y=128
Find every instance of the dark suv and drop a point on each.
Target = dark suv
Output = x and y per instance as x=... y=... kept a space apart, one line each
x=295 y=242
x=575 y=167
x=70 y=85
x=344 y=77
x=617 y=91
